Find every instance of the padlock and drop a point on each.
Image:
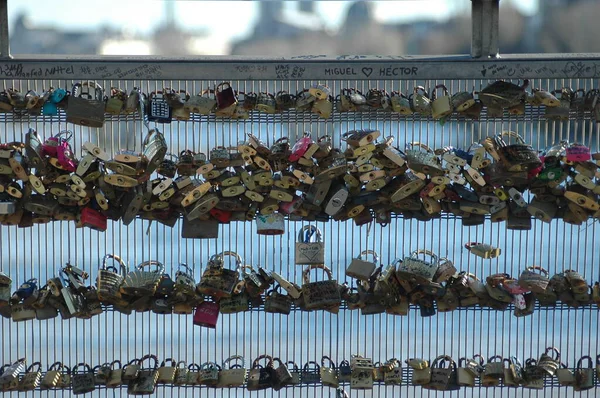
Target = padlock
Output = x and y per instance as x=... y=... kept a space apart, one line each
x=323 y=107
x=508 y=379
x=421 y=374
x=10 y=374
x=308 y=252
x=181 y=374
x=462 y=100
x=441 y=106
x=584 y=377
x=82 y=382
x=52 y=378
x=225 y=96
x=145 y=382
x=392 y=372
x=140 y=282
x=102 y=373
x=328 y=374
x=109 y=280
x=420 y=101
x=361 y=269
x=442 y=379
x=400 y=103
x=155 y=149
x=202 y=103
x=549 y=364
x=86 y=104
x=232 y=375
x=28 y=293
x=281 y=375
x=565 y=376
x=483 y=250
x=534 y=281
x=115 y=378
x=207 y=314
x=467 y=373
x=277 y=303
x=266 y=103
x=322 y=294
x=561 y=111
x=116 y=102
x=362 y=373
x=193 y=374
x=420 y=161
x=414 y=269
x=259 y=377
x=492 y=372
x=158 y=109
x=54 y=98
x=516 y=157
x=218 y=281
x=209 y=374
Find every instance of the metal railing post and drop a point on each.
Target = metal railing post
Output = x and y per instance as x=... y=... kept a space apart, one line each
x=485 y=27
x=4 y=39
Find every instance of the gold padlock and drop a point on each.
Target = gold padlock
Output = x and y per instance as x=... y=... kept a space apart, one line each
x=441 y=106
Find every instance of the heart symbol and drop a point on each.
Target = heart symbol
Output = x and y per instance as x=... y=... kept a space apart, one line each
x=367 y=71
x=483 y=72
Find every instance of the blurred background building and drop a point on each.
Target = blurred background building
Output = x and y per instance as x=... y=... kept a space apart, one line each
x=303 y=27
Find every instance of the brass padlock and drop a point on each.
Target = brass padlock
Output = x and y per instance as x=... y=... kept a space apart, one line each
x=362 y=373
x=492 y=372
x=483 y=250
x=441 y=106
x=400 y=103
x=584 y=377
x=565 y=376
x=52 y=378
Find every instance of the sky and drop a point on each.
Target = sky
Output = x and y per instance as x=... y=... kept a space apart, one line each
x=223 y=19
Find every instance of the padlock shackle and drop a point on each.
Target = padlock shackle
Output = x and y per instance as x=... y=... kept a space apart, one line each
x=116 y=361
x=481 y=359
x=194 y=367
x=149 y=134
x=122 y=265
x=149 y=356
x=412 y=144
x=160 y=267
x=173 y=363
x=441 y=360
x=426 y=252
x=416 y=91
x=295 y=369
x=276 y=359
x=52 y=367
x=306 y=366
x=305 y=273
x=539 y=268
x=190 y=270
x=30 y=367
x=331 y=363
x=255 y=364
x=234 y=358
x=511 y=134
x=179 y=363
x=434 y=91
x=85 y=365
x=238 y=259
x=580 y=362
x=367 y=252
x=495 y=357
x=210 y=365
x=555 y=350
x=307 y=232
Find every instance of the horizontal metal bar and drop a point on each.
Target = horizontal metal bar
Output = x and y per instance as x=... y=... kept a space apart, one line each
x=307 y=67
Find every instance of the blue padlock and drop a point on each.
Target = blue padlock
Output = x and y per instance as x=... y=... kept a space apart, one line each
x=50 y=107
x=28 y=292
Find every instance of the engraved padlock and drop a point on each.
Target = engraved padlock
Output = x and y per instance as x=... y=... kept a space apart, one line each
x=86 y=104
x=361 y=269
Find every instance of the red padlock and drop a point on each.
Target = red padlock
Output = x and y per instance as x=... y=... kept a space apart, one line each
x=93 y=219
x=225 y=96
x=50 y=145
x=290 y=207
x=65 y=156
x=223 y=216
x=207 y=314
x=300 y=147
x=578 y=153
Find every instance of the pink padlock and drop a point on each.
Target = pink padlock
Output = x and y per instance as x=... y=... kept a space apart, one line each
x=290 y=207
x=300 y=147
x=578 y=153
x=207 y=314
x=50 y=145
x=65 y=156
x=512 y=287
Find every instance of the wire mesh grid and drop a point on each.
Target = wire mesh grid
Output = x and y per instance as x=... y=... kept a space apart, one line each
x=302 y=336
